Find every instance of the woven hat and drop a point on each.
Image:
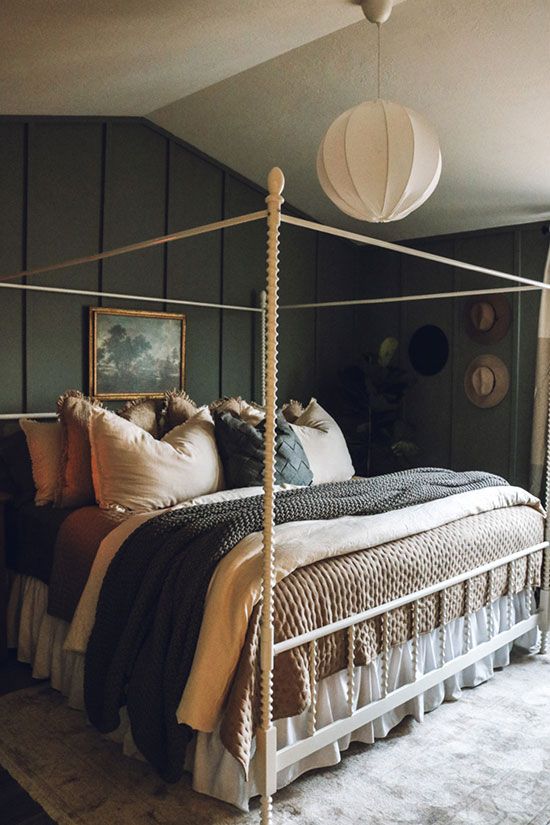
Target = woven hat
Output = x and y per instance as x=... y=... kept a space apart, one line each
x=486 y=381
x=488 y=318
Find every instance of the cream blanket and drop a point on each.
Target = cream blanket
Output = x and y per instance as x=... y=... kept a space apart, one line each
x=235 y=586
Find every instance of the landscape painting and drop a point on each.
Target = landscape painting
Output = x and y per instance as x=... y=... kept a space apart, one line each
x=135 y=353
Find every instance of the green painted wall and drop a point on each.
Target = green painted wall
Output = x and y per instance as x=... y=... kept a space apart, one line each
x=75 y=186
x=450 y=430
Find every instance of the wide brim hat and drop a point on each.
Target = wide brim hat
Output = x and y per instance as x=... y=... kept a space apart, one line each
x=488 y=318
x=486 y=381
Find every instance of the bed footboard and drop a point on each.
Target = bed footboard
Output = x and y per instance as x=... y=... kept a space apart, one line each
x=318 y=737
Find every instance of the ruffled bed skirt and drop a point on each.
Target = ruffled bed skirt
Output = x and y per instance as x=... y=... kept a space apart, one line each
x=39 y=640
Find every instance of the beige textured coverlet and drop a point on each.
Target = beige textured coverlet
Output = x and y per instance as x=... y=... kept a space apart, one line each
x=335 y=588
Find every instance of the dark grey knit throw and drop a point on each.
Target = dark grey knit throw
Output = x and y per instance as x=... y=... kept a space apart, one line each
x=151 y=604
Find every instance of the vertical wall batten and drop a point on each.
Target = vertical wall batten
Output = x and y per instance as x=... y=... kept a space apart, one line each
x=220 y=291
x=24 y=259
x=12 y=253
x=64 y=188
x=100 y=244
x=166 y=223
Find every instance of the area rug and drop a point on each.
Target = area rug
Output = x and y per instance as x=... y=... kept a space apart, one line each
x=484 y=760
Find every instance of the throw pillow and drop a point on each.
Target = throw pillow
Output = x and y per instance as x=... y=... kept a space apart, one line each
x=241 y=447
x=324 y=445
x=134 y=471
x=45 y=445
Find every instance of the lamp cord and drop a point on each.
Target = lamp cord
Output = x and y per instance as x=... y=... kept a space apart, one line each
x=378 y=26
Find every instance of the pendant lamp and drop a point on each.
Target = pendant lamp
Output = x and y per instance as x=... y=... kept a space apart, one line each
x=379 y=161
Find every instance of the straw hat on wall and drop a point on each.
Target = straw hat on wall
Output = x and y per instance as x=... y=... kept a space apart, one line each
x=488 y=318
x=486 y=381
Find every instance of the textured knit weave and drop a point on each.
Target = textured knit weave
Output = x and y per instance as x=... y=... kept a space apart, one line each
x=151 y=604
x=241 y=446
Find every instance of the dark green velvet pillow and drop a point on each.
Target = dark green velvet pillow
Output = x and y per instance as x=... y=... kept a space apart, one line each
x=241 y=447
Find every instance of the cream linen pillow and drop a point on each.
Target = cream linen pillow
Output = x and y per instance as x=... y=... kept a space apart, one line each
x=134 y=471
x=45 y=448
x=324 y=445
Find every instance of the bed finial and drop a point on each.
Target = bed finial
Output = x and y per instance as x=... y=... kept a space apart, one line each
x=275 y=181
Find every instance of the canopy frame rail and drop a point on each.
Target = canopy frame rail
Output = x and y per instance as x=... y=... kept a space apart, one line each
x=123 y=296
x=398 y=299
x=135 y=247
x=410 y=251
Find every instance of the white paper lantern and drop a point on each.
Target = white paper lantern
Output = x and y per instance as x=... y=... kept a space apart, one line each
x=379 y=161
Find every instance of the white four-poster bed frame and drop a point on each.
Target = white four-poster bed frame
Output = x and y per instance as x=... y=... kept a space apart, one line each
x=271 y=758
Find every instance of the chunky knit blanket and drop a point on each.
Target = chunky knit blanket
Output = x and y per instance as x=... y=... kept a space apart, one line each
x=151 y=604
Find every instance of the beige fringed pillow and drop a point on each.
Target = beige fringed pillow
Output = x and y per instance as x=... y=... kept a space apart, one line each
x=133 y=471
x=146 y=413
x=178 y=408
x=324 y=445
x=248 y=412
x=45 y=446
x=292 y=410
x=75 y=488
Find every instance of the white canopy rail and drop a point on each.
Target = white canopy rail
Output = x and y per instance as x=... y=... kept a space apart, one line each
x=271 y=760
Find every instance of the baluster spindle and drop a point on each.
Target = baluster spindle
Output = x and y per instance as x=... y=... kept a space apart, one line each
x=467 y=626
x=385 y=664
x=351 y=669
x=442 y=626
x=415 y=640
x=510 y=594
x=489 y=605
x=312 y=717
x=530 y=588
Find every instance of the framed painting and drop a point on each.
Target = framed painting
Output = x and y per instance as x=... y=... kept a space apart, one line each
x=135 y=353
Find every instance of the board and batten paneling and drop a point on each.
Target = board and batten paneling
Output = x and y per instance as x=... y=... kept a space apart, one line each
x=64 y=205
x=134 y=210
x=194 y=266
x=336 y=340
x=430 y=394
x=244 y=264
x=12 y=259
x=482 y=437
x=449 y=429
x=76 y=186
x=297 y=351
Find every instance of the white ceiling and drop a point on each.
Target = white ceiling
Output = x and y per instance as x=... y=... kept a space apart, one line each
x=256 y=84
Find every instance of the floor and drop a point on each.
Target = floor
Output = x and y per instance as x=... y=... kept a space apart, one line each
x=16 y=806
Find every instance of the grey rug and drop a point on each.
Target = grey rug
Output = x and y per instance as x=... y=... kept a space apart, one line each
x=481 y=761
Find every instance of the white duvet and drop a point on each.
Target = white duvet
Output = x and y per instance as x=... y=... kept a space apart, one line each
x=236 y=583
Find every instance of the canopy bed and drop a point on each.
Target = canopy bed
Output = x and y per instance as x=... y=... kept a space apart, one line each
x=442 y=616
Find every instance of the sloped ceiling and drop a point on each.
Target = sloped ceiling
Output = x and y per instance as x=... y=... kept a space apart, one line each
x=256 y=84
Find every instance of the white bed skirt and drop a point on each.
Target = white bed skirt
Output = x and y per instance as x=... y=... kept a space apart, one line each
x=39 y=640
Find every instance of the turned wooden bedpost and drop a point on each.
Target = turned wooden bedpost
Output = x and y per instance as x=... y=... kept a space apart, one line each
x=263 y=328
x=544 y=616
x=267 y=735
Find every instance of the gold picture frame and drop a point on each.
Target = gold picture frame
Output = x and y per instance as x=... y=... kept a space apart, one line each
x=135 y=353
